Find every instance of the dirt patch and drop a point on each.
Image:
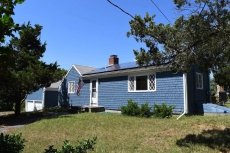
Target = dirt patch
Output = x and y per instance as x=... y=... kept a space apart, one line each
x=159 y=137
x=206 y=127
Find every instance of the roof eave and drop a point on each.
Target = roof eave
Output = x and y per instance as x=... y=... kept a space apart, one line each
x=125 y=72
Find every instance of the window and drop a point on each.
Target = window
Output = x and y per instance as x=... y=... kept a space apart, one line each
x=142 y=83
x=199 y=81
x=71 y=86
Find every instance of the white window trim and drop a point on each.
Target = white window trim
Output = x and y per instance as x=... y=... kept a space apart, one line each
x=201 y=81
x=73 y=89
x=135 y=75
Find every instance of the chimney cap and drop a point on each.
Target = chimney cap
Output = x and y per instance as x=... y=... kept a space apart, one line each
x=113 y=56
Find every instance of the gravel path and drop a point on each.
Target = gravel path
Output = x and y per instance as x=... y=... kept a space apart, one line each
x=10 y=122
x=8 y=128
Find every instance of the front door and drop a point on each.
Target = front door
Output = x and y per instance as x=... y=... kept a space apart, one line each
x=94 y=93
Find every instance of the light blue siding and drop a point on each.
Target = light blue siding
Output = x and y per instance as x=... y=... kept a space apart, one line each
x=71 y=99
x=113 y=92
x=35 y=95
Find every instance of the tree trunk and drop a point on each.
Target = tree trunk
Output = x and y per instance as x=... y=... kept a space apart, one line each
x=17 y=108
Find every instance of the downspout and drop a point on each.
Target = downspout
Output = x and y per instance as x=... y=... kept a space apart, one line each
x=194 y=89
x=59 y=88
x=209 y=93
x=43 y=98
x=185 y=96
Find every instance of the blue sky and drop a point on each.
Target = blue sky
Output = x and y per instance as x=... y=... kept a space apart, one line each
x=87 y=32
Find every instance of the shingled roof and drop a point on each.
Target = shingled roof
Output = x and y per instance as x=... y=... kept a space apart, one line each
x=84 y=69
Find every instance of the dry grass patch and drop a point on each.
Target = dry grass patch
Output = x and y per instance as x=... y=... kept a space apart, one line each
x=117 y=133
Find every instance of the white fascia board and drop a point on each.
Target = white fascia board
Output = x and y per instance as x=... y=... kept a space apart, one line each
x=125 y=72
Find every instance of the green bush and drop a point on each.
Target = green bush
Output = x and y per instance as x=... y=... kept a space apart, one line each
x=6 y=106
x=145 y=110
x=23 y=106
x=11 y=143
x=54 y=109
x=81 y=147
x=162 y=110
x=131 y=109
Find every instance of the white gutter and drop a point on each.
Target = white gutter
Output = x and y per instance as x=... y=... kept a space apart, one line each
x=43 y=97
x=185 y=96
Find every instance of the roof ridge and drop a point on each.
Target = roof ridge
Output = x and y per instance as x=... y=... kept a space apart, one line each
x=83 y=65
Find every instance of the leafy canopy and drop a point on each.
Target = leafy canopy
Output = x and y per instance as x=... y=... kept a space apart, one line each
x=200 y=35
x=30 y=72
x=7 y=27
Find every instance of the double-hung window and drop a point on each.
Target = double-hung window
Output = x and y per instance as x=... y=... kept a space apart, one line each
x=145 y=82
x=71 y=86
x=199 y=81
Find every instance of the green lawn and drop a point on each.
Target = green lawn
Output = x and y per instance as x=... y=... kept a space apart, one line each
x=227 y=104
x=117 y=133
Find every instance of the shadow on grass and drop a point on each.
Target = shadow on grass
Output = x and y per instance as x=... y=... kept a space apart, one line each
x=28 y=118
x=215 y=139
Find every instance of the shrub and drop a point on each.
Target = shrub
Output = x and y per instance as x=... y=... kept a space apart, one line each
x=6 y=106
x=81 y=147
x=54 y=109
x=23 y=106
x=131 y=109
x=35 y=109
x=11 y=143
x=145 y=110
x=162 y=110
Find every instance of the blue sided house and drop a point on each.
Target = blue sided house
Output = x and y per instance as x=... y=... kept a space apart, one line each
x=44 y=97
x=113 y=85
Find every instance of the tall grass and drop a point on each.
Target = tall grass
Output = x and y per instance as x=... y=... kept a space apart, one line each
x=117 y=133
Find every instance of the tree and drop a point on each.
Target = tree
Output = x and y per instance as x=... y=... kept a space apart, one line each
x=222 y=77
x=30 y=72
x=213 y=87
x=199 y=36
x=7 y=27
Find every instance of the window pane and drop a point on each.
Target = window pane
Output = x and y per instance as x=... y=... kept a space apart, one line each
x=93 y=84
x=151 y=82
x=94 y=93
x=38 y=101
x=71 y=87
x=199 y=83
x=131 y=83
x=141 y=82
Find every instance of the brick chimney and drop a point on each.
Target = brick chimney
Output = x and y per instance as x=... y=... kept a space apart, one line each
x=113 y=59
